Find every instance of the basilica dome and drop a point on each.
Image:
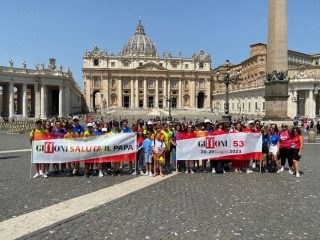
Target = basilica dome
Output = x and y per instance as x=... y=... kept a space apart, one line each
x=140 y=44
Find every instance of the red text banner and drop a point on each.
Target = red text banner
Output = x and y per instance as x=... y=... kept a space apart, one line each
x=232 y=146
x=105 y=148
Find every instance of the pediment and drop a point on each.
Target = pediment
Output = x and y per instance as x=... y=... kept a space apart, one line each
x=151 y=66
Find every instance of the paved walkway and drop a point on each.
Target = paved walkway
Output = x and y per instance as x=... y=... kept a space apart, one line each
x=186 y=206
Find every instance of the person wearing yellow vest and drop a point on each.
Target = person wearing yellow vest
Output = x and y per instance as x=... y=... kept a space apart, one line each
x=38 y=134
x=167 y=140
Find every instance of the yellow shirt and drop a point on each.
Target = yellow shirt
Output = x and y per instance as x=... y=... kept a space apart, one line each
x=37 y=134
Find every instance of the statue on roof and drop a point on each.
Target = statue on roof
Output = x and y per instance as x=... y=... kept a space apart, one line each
x=11 y=62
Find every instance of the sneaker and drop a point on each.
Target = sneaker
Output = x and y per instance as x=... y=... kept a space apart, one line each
x=41 y=173
x=279 y=171
x=297 y=174
x=74 y=172
x=290 y=171
x=249 y=171
x=213 y=170
x=150 y=174
x=253 y=165
x=146 y=174
x=101 y=174
x=282 y=169
x=36 y=175
x=44 y=175
x=186 y=171
x=141 y=173
x=134 y=173
x=192 y=171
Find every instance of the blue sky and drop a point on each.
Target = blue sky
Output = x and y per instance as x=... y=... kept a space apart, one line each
x=35 y=30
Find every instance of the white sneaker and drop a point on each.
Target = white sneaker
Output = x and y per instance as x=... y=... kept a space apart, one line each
x=297 y=174
x=150 y=174
x=36 y=175
x=141 y=173
x=45 y=175
x=101 y=174
x=186 y=171
x=134 y=173
x=41 y=172
x=213 y=170
x=74 y=171
x=192 y=171
x=253 y=165
x=249 y=170
x=279 y=171
x=282 y=169
x=146 y=174
x=290 y=171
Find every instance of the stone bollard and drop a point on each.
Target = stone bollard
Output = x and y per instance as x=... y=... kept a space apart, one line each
x=312 y=136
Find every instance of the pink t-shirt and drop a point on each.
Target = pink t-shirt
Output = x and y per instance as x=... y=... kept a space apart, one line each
x=285 y=140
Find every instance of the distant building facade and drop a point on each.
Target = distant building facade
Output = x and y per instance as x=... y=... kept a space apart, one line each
x=247 y=97
x=139 y=78
x=40 y=92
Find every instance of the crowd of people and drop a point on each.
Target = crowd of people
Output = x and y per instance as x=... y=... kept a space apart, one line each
x=156 y=147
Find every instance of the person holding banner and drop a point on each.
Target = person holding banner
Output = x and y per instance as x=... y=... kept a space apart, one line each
x=88 y=166
x=58 y=132
x=71 y=134
x=116 y=166
x=238 y=164
x=218 y=165
x=158 y=149
x=296 y=148
x=38 y=134
x=189 y=163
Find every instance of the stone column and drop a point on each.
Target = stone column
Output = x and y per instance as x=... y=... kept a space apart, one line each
x=37 y=100
x=119 y=93
x=11 y=100
x=137 y=93
x=145 y=93
x=277 y=50
x=276 y=91
x=310 y=105
x=19 y=99
x=169 y=87
x=24 y=100
x=5 y=99
x=43 y=92
x=66 y=100
x=180 y=93
x=156 y=105
x=164 y=91
x=132 y=93
x=193 y=93
x=106 y=93
x=61 y=98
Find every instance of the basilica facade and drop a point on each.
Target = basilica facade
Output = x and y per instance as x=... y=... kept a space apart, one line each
x=138 y=77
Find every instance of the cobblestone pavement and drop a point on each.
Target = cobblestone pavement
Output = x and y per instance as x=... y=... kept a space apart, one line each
x=19 y=194
x=14 y=141
x=205 y=206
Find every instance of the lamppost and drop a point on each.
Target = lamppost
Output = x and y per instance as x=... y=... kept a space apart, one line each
x=169 y=100
x=227 y=79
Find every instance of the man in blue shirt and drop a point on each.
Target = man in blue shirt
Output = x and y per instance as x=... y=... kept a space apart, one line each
x=77 y=128
x=125 y=128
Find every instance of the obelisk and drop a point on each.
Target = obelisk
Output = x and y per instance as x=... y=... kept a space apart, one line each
x=276 y=84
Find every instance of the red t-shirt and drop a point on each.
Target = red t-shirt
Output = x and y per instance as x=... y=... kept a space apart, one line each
x=295 y=142
x=285 y=140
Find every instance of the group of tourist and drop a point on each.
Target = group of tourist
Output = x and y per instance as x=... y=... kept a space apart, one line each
x=156 y=146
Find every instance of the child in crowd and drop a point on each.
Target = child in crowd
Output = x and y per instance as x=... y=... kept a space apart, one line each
x=158 y=149
x=147 y=150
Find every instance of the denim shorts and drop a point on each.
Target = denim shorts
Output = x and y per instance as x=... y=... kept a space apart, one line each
x=148 y=158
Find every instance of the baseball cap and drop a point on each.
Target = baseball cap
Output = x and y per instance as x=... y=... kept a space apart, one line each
x=150 y=123
x=75 y=118
x=104 y=130
x=250 y=121
x=89 y=125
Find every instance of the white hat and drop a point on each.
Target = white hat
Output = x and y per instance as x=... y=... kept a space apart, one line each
x=89 y=125
x=75 y=118
x=250 y=121
x=104 y=130
x=207 y=121
x=150 y=123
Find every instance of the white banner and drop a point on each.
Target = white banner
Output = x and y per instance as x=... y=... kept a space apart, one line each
x=232 y=146
x=105 y=148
